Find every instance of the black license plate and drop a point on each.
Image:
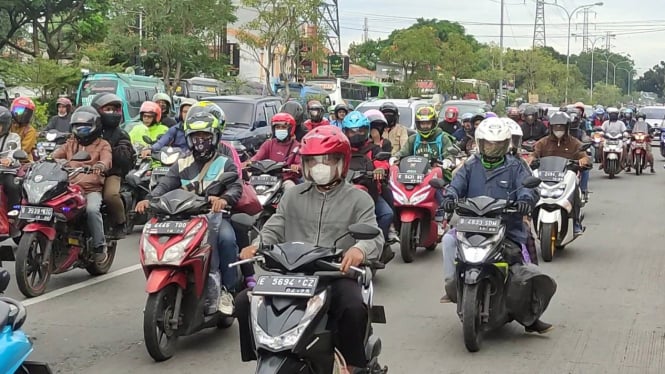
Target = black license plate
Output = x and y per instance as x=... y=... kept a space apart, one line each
x=166 y=227
x=551 y=176
x=284 y=285
x=162 y=170
x=263 y=180
x=410 y=178
x=480 y=225
x=37 y=213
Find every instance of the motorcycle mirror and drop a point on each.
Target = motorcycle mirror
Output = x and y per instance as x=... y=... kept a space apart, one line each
x=585 y=146
x=382 y=156
x=82 y=156
x=437 y=183
x=4 y=279
x=363 y=231
x=20 y=155
x=531 y=182
x=147 y=139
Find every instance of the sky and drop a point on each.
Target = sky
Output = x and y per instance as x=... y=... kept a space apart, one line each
x=639 y=30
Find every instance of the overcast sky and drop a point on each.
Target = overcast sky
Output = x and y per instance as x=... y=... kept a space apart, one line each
x=639 y=29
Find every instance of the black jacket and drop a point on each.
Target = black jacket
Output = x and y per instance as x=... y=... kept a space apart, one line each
x=536 y=131
x=123 y=151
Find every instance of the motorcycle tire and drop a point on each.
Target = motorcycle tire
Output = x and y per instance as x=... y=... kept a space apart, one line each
x=548 y=235
x=472 y=304
x=27 y=259
x=408 y=244
x=638 y=165
x=94 y=268
x=159 y=309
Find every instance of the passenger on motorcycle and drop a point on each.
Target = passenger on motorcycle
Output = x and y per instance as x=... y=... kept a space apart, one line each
x=450 y=122
x=377 y=125
x=460 y=133
x=514 y=114
x=532 y=127
x=197 y=173
x=60 y=122
x=298 y=113
x=22 y=111
x=340 y=111
x=576 y=129
x=318 y=212
x=9 y=143
x=641 y=126
x=315 y=111
x=283 y=147
x=109 y=108
x=468 y=144
x=175 y=136
x=560 y=143
x=494 y=173
x=598 y=117
x=397 y=134
x=165 y=104
x=613 y=125
x=151 y=115
x=87 y=130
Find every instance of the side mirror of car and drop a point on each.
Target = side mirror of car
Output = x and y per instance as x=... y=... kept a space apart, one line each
x=82 y=156
x=20 y=155
x=531 y=182
x=362 y=231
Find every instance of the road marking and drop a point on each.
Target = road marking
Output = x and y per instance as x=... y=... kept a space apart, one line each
x=78 y=286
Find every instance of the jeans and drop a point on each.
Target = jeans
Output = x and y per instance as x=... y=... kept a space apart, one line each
x=113 y=200
x=449 y=244
x=584 y=180
x=384 y=215
x=95 y=221
x=222 y=238
x=242 y=239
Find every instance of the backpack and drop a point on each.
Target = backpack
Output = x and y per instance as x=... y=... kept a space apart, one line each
x=362 y=160
x=438 y=142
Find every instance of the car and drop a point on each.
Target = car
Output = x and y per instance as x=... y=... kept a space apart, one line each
x=465 y=106
x=655 y=118
x=407 y=109
x=247 y=117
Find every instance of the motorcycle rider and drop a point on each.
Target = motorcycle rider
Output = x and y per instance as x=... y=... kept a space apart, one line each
x=628 y=119
x=151 y=115
x=23 y=108
x=9 y=143
x=203 y=126
x=460 y=133
x=283 y=147
x=165 y=103
x=377 y=125
x=560 y=143
x=613 y=125
x=315 y=111
x=532 y=127
x=397 y=134
x=175 y=136
x=318 y=212
x=514 y=114
x=109 y=108
x=298 y=113
x=87 y=130
x=340 y=111
x=450 y=122
x=576 y=129
x=60 y=122
x=641 y=126
x=467 y=144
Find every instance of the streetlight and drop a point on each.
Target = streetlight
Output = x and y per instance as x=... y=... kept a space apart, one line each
x=629 y=75
x=614 y=72
x=570 y=18
x=593 y=47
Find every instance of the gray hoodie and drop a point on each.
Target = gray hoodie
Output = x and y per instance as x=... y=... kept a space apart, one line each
x=308 y=215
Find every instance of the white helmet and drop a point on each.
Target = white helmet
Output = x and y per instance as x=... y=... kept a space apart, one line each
x=493 y=139
x=515 y=132
x=612 y=110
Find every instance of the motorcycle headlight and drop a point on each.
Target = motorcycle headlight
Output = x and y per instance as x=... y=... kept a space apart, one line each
x=175 y=253
x=552 y=193
x=288 y=339
x=168 y=159
x=149 y=252
x=475 y=255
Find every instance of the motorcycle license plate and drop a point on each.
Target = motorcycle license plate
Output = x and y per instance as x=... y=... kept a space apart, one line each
x=410 y=178
x=49 y=146
x=263 y=180
x=284 y=285
x=162 y=170
x=166 y=228
x=479 y=225
x=36 y=213
x=612 y=142
x=551 y=176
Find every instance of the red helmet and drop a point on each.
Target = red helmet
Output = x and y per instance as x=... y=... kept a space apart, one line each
x=22 y=110
x=324 y=141
x=451 y=114
x=151 y=107
x=64 y=102
x=281 y=118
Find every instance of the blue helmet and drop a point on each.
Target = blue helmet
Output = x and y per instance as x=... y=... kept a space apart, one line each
x=352 y=125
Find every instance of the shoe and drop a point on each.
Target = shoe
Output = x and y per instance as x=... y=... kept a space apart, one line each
x=539 y=327
x=250 y=282
x=628 y=170
x=653 y=171
x=445 y=299
x=100 y=254
x=585 y=196
x=212 y=293
x=225 y=304
x=393 y=237
x=387 y=255
x=117 y=232
x=600 y=167
x=578 y=229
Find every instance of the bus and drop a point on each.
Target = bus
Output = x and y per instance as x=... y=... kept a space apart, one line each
x=198 y=88
x=303 y=93
x=376 y=90
x=132 y=89
x=341 y=91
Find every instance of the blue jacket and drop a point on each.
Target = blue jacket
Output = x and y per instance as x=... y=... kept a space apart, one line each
x=459 y=134
x=473 y=180
x=174 y=137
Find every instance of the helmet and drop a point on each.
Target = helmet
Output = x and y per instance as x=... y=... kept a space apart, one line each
x=478 y=117
x=86 y=125
x=203 y=117
x=64 y=102
x=339 y=107
x=356 y=127
x=391 y=112
x=283 y=118
x=209 y=108
x=451 y=114
x=515 y=133
x=331 y=109
x=490 y=115
x=580 y=105
x=325 y=144
x=160 y=96
x=600 y=111
x=109 y=119
x=151 y=108
x=638 y=115
x=5 y=121
x=294 y=109
x=184 y=103
x=315 y=111
x=493 y=139
x=560 y=121
x=613 y=113
x=628 y=113
x=22 y=110
x=467 y=117
x=376 y=120
x=513 y=113
x=425 y=114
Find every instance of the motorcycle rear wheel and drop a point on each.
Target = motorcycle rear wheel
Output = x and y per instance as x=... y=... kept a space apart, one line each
x=472 y=305
x=408 y=244
x=548 y=235
x=94 y=268
x=30 y=264
x=160 y=339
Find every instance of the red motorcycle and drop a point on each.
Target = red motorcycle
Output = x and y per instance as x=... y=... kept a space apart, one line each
x=55 y=238
x=9 y=224
x=175 y=255
x=638 y=151
x=416 y=204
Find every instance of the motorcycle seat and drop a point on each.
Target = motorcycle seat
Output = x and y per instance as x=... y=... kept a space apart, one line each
x=5 y=311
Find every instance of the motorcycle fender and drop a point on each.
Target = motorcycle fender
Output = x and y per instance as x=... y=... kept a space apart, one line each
x=545 y=216
x=33 y=367
x=410 y=215
x=160 y=278
x=48 y=231
x=612 y=156
x=279 y=364
x=472 y=276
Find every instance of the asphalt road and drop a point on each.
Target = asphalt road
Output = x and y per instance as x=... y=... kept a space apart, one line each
x=608 y=310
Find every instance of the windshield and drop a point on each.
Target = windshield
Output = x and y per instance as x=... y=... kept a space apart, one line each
x=237 y=112
x=94 y=87
x=654 y=113
x=405 y=114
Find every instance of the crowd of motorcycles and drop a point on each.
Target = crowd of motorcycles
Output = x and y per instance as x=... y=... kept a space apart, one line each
x=51 y=238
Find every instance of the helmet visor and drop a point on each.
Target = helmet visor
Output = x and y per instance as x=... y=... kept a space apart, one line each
x=493 y=149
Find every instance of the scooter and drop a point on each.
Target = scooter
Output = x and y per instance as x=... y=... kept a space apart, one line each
x=10 y=226
x=266 y=179
x=56 y=238
x=597 y=137
x=175 y=256
x=15 y=345
x=289 y=309
x=613 y=154
x=638 y=151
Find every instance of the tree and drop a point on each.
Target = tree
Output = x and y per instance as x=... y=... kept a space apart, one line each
x=278 y=32
x=367 y=54
x=415 y=50
x=43 y=75
x=455 y=58
x=445 y=29
x=607 y=94
x=12 y=19
x=653 y=80
x=583 y=62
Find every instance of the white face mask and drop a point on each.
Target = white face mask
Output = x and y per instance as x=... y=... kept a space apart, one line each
x=322 y=174
x=559 y=134
x=281 y=134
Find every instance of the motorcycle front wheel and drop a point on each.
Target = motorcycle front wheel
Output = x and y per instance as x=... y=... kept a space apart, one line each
x=472 y=306
x=160 y=338
x=33 y=269
x=408 y=240
x=548 y=235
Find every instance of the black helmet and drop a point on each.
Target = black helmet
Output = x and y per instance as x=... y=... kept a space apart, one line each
x=530 y=110
x=339 y=107
x=295 y=110
x=109 y=119
x=391 y=112
x=5 y=121
x=637 y=116
x=86 y=125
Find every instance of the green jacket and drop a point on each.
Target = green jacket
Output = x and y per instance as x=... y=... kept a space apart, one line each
x=435 y=146
x=140 y=129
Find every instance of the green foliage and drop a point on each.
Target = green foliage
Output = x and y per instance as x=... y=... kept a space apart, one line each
x=607 y=95
x=46 y=76
x=41 y=116
x=367 y=54
x=416 y=50
x=653 y=80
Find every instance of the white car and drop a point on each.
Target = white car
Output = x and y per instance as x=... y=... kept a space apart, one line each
x=655 y=118
x=407 y=109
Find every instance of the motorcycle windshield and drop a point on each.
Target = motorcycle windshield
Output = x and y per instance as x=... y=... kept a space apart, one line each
x=44 y=180
x=292 y=256
x=553 y=163
x=414 y=165
x=179 y=202
x=267 y=166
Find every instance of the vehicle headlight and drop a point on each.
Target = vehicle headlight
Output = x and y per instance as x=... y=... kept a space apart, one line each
x=473 y=254
x=149 y=252
x=400 y=198
x=168 y=159
x=174 y=254
x=553 y=193
x=288 y=339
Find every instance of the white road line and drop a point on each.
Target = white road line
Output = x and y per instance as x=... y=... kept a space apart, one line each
x=74 y=287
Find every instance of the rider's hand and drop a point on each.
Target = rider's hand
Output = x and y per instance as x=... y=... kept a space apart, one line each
x=584 y=162
x=5 y=162
x=141 y=206
x=523 y=208
x=146 y=152
x=353 y=257
x=295 y=168
x=448 y=205
x=379 y=174
x=218 y=204
x=248 y=252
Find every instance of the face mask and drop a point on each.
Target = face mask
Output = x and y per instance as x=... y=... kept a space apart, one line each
x=201 y=144
x=559 y=134
x=321 y=174
x=281 y=134
x=357 y=140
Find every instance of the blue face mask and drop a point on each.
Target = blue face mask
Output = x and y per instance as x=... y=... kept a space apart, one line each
x=281 y=134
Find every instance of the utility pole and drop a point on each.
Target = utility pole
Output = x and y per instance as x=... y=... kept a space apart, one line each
x=608 y=45
x=365 y=31
x=501 y=55
x=539 y=25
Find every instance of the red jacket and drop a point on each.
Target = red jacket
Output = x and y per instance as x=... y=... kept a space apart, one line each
x=286 y=152
x=312 y=125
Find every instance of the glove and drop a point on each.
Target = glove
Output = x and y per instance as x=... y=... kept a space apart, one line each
x=447 y=164
x=448 y=205
x=523 y=208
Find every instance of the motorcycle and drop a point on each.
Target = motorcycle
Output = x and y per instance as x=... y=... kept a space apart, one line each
x=597 y=137
x=266 y=179
x=15 y=345
x=613 y=154
x=9 y=226
x=136 y=187
x=56 y=237
x=638 y=151
x=289 y=309
x=482 y=273
x=175 y=256
x=54 y=139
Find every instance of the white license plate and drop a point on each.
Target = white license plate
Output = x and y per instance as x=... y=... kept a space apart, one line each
x=37 y=213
